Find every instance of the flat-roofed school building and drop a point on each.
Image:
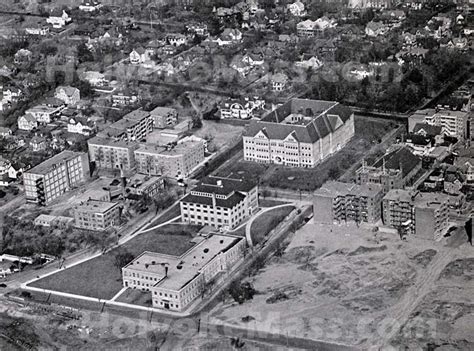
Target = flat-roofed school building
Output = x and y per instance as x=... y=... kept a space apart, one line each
x=175 y=282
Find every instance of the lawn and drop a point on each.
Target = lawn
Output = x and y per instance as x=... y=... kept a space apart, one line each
x=100 y=277
x=249 y=170
x=266 y=222
x=135 y=297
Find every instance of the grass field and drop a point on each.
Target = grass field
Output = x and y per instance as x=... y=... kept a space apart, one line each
x=266 y=222
x=100 y=277
x=171 y=213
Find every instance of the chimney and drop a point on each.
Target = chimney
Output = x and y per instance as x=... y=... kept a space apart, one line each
x=166 y=271
x=219 y=183
x=214 y=205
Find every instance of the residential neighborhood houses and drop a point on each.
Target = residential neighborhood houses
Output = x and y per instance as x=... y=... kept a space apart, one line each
x=233 y=160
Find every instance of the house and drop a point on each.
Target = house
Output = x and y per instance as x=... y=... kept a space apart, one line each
x=253 y=59
x=413 y=56
x=27 y=122
x=453 y=123
x=375 y=29
x=279 y=81
x=140 y=55
x=241 y=109
x=96 y=79
x=198 y=29
x=466 y=165
x=38 y=143
x=296 y=9
x=11 y=95
x=314 y=63
x=58 y=18
x=455 y=43
x=177 y=39
x=68 y=94
x=90 y=6
x=4 y=166
x=80 y=125
x=5 y=132
x=44 y=113
x=229 y=36
x=124 y=97
x=40 y=30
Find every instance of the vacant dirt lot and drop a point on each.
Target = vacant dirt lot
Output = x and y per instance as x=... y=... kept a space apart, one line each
x=341 y=284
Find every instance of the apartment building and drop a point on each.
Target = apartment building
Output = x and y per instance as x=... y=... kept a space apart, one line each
x=144 y=185
x=453 y=123
x=175 y=282
x=347 y=202
x=97 y=215
x=112 y=154
x=173 y=160
x=164 y=117
x=55 y=176
x=393 y=171
x=424 y=215
x=299 y=133
x=220 y=202
x=134 y=126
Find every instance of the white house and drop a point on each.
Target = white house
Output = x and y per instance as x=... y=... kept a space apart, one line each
x=253 y=60
x=27 y=122
x=80 y=125
x=41 y=30
x=242 y=109
x=11 y=94
x=279 y=81
x=177 y=39
x=5 y=132
x=140 y=55
x=90 y=6
x=95 y=79
x=296 y=9
x=43 y=113
x=58 y=19
x=313 y=63
x=68 y=94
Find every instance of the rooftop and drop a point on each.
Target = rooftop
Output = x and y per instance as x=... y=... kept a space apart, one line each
x=334 y=189
x=45 y=167
x=99 y=140
x=308 y=120
x=176 y=150
x=96 y=206
x=182 y=269
x=401 y=159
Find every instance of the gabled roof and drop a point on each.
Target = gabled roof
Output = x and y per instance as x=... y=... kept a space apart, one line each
x=402 y=157
x=430 y=129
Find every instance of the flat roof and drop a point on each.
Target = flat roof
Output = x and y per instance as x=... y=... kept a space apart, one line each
x=102 y=140
x=96 y=206
x=45 y=167
x=334 y=188
x=174 y=151
x=182 y=269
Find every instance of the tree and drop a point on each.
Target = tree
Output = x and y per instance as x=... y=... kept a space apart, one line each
x=241 y=292
x=123 y=258
x=196 y=122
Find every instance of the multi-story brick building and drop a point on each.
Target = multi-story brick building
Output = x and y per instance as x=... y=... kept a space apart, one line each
x=175 y=161
x=424 y=215
x=393 y=171
x=134 y=126
x=220 y=202
x=345 y=202
x=164 y=117
x=299 y=133
x=96 y=215
x=453 y=123
x=112 y=154
x=175 y=282
x=55 y=176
